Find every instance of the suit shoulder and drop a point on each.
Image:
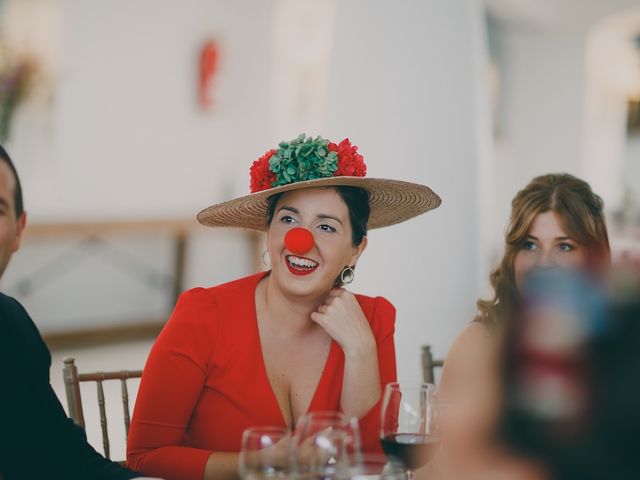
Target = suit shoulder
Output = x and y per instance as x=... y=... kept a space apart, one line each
x=12 y=312
x=7 y=302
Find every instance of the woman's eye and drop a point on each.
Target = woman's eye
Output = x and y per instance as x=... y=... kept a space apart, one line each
x=565 y=247
x=287 y=219
x=327 y=228
x=528 y=245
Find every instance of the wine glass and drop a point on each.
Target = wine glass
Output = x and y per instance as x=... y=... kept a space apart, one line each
x=265 y=453
x=409 y=432
x=325 y=445
x=376 y=466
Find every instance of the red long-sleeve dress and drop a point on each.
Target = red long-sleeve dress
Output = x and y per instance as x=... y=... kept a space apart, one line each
x=205 y=381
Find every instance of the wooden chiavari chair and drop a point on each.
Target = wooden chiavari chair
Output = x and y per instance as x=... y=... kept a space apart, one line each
x=429 y=365
x=72 y=381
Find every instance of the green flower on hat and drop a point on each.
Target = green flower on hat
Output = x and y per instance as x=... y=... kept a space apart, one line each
x=301 y=159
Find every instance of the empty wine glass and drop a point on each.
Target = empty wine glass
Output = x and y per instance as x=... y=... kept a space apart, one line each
x=409 y=432
x=325 y=445
x=265 y=453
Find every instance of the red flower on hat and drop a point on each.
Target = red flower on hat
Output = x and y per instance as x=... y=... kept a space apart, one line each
x=261 y=177
x=350 y=162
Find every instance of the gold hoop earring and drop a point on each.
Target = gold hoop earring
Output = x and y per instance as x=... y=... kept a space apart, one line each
x=347 y=275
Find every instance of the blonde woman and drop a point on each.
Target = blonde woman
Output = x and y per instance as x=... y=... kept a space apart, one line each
x=556 y=221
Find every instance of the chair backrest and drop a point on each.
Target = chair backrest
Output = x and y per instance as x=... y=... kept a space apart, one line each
x=429 y=365
x=72 y=381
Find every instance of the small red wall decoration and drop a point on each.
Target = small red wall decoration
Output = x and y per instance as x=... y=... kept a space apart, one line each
x=209 y=56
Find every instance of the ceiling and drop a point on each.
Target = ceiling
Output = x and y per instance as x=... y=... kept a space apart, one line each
x=565 y=14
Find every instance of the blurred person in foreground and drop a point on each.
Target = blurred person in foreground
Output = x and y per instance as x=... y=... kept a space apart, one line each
x=556 y=222
x=37 y=440
x=570 y=367
x=566 y=395
x=271 y=347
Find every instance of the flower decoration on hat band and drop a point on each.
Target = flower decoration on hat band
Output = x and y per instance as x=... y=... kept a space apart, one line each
x=306 y=158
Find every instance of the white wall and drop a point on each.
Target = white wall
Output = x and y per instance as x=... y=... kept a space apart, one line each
x=304 y=34
x=612 y=77
x=125 y=124
x=542 y=81
x=565 y=80
x=403 y=85
x=121 y=136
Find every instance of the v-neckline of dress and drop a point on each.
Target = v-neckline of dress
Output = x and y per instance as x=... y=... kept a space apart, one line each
x=263 y=365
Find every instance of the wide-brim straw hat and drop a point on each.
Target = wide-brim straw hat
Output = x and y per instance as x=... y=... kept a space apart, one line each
x=391 y=202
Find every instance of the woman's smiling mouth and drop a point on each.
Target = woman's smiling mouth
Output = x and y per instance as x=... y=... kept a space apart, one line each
x=300 y=265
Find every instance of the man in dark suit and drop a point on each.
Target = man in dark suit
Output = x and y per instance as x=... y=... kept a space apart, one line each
x=37 y=440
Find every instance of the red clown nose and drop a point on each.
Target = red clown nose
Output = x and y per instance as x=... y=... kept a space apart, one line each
x=298 y=240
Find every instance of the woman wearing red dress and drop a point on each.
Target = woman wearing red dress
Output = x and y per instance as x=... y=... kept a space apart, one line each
x=266 y=349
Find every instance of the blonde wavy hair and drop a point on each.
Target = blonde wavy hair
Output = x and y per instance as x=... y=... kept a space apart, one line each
x=582 y=216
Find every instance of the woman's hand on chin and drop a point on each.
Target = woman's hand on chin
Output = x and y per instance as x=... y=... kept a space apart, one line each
x=342 y=318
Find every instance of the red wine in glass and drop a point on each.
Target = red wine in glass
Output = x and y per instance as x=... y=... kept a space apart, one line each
x=409 y=430
x=413 y=450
